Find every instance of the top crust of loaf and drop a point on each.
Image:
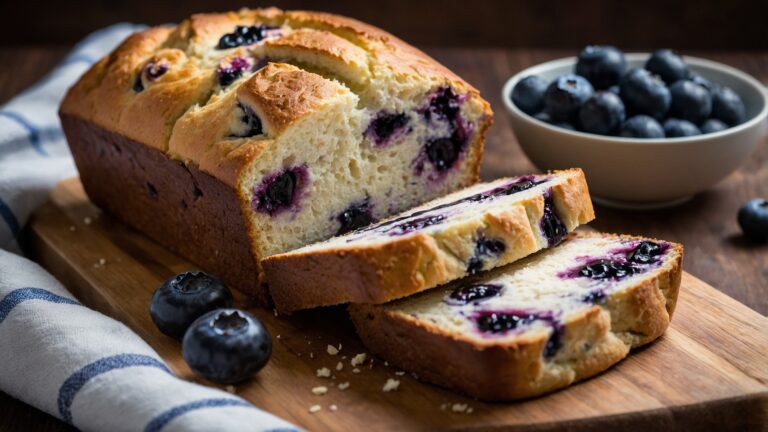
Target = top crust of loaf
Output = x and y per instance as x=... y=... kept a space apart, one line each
x=336 y=47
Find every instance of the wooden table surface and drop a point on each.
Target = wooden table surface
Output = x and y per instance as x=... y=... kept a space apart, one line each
x=715 y=250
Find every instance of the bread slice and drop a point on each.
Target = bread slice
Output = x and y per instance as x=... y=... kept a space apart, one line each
x=475 y=229
x=534 y=326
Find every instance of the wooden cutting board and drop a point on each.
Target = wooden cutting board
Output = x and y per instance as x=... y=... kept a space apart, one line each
x=710 y=369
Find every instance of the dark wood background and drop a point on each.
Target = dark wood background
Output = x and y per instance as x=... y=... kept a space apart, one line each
x=703 y=24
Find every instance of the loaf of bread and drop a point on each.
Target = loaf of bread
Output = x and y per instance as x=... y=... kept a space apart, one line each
x=234 y=136
x=534 y=326
x=475 y=229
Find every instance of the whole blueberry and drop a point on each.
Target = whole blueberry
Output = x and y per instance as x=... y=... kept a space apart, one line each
x=641 y=126
x=185 y=297
x=614 y=89
x=603 y=66
x=226 y=345
x=712 y=126
x=546 y=118
x=728 y=106
x=700 y=80
x=528 y=94
x=602 y=113
x=675 y=128
x=644 y=93
x=668 y=65
x=565 y=95
x=690 y=101
x=753 y=219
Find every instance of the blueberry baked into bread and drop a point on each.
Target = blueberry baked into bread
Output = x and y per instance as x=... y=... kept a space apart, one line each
x=235 y=136
x=475 y=229
x=534 y=326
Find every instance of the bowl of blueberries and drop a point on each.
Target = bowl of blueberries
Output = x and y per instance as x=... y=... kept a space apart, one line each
x=649 y=130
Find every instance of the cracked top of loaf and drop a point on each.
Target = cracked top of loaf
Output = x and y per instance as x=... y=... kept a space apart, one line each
x=218 y=89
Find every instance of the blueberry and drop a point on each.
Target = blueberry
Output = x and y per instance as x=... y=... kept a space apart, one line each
x=473 y=293
x=484 y=248
x=498 y=322
x=614 y=89
x=668 y=65
x=700 y=80
x=641 y=126
x=415 y=224
x=279 y=191
x=546 y=118
x=645 y=252
x=443 y=153
x=712 y=126
x=594 y=297
x=605 y=269
x=728 y=106
x=444 y=104
x=675 y=128
x=551 y=226
x=226 y=345
x=603 y=66
x=644 y=93
x=384 y=126
x=231 y=70
x=753 y=219
x=245 y=35
x=528 y=94
x=185 y=297
x=690 y=101
x=355 y=217
x=565 y=95
x=251 y=123
x=602 y=113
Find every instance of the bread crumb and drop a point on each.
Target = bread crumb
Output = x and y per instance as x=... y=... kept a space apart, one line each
x=278 y=336
x=390 y=385
x=71 y=227
x=343 y=386
x=315 y=408
x=274 y=311
x=355 y=370
x=333 y=407
x=386 y=364
x=469 y=410
x=311 y=355
x=87 y=220
x=457 y=407
x=399 y=373
x=358 y=359
x=445 y=406
x=339 y=366
x=230 y=389
x=320 y=390
x=324 y=372
x=332 y=350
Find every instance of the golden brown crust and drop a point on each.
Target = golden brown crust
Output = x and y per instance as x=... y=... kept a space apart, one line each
x=497 y=371
x=406 y=265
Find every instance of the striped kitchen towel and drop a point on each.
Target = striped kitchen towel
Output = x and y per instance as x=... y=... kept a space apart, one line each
x=57 y=355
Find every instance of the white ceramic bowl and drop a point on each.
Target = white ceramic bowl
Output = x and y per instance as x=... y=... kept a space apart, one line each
x=644 y=173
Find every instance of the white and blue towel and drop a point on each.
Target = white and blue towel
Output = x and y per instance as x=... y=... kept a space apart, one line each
x=57 y=355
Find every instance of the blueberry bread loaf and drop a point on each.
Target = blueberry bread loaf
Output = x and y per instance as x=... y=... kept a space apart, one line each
x=238 y=135
x=534 y=326
x=475 y=229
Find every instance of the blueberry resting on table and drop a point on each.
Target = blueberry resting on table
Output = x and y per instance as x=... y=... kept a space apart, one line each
x=528 y=94
x=753 y=220
x=641 y=126
x=645 y=93
x=565 y=95
x=227 y=345
x=603 y=66
x=184 y=298
x=668 y=65
x=675 y=128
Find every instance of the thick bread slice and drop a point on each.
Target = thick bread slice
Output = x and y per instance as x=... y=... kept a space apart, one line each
x=478 y=228
x=534 y=326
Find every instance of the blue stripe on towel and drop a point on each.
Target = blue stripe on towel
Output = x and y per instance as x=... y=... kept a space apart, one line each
x=77 y=380
x=10 y=219
x=34 y=133
x=166 y=417
x=17 y=296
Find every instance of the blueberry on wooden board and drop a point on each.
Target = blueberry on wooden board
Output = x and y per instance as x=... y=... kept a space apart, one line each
x=753 y=220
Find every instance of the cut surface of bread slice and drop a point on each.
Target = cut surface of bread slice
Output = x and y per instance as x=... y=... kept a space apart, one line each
x=537 y=325
x=478 y=228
